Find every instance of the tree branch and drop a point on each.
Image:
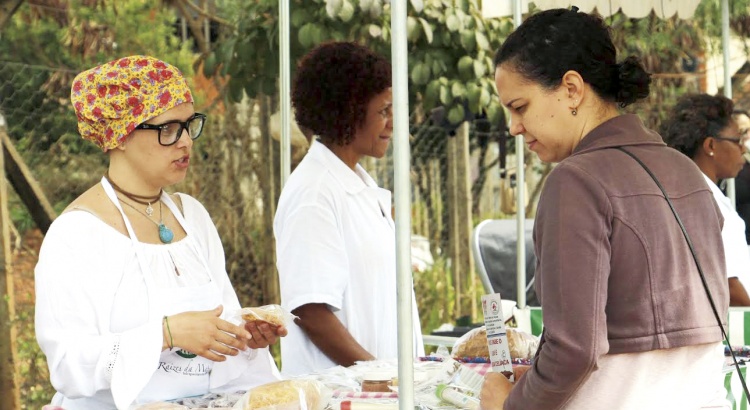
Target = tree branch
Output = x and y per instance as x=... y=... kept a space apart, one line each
x=211 y=17
x=194 y=26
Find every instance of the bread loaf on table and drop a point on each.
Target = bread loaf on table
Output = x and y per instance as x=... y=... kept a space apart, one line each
x=522 y=345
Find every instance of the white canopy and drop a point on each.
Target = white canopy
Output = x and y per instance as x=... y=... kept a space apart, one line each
x=632 y=8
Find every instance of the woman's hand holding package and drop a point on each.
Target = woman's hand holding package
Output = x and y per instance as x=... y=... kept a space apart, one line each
x=263 y=334
x=206 y=334
x=495 y=390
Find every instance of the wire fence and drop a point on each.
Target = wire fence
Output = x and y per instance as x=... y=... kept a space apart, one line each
x=236 y=171
x=454 y=170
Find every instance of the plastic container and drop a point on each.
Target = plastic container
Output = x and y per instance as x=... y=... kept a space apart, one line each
x=456 y=398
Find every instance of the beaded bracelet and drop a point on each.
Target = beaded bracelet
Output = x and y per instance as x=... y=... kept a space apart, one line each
x=171 y=342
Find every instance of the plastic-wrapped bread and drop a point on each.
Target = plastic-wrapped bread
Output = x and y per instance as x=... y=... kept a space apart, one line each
x=287 y=395
x=273 y=314
x=522 y=345
x=472 y=344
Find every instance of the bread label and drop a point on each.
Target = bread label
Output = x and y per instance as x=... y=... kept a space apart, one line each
x=497 y=338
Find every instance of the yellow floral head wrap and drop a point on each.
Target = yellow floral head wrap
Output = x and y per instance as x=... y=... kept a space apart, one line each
x=110 y=100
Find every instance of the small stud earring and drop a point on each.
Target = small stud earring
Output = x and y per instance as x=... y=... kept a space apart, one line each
x=574 y=112
x=710 y=154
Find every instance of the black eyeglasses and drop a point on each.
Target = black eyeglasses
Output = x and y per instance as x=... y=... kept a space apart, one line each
x=171 y=131
x=737 y=140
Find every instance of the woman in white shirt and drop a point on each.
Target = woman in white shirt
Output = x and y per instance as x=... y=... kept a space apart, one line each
x=335 y=238
x=701 y=126
x=133 y=301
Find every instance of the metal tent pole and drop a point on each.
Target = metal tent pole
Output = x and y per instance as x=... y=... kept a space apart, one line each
x=402 y=201
x=285 y=91
x=727 y=78
x=520 y=200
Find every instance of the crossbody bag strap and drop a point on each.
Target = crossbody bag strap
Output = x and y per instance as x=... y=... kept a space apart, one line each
x=695 y=258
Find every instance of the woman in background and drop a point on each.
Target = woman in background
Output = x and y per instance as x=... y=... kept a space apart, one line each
x=335 y=237
x=702 y=127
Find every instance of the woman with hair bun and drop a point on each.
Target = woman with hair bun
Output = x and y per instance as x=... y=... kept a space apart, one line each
x=627 y=322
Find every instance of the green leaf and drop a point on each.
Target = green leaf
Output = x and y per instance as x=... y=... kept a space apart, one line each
x=320 y=34
x=452 y=22
x=333 y=7
x=456 y=114
x=431 y=94
x=236 y=90
x=463 y=5
x=482 y=41
x=438 y=67
x=485 y=97
x=473 y=94
x=227 y=51
x=374 y=30
x=427 y=29
x=298 y=17
x=468 y=40
x=494 y=114
x=458 y=90
x=466 y=68
x=304 y=36
x=413 y=31
x=420 y=74
x=479 y=68
x=445 y=94
x=209 y=65
x=418 y=5
x=347 y=11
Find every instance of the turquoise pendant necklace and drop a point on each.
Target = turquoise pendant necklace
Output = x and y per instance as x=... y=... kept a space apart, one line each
x=165 y=234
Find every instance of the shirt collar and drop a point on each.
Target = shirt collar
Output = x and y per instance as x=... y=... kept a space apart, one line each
x=352 y=181
x=719 y=196
x=621 y=131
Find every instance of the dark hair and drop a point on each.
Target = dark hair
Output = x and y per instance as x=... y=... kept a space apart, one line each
x=551 y=42
x=333 y=85
x=693 y=118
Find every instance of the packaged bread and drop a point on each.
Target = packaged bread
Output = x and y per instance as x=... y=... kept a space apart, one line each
x=287 y=395
x=522 y=345
x=472 y=344
x=273 y=314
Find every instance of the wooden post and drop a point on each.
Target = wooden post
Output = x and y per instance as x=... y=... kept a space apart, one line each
x=460 y=219
x=25 y=185
x=452 y=225
x=463 y=209
x=9 y=389
x=270 y=189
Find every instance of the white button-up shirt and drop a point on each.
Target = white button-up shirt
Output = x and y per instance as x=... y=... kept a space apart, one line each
x=733 y=235
x=335 y=244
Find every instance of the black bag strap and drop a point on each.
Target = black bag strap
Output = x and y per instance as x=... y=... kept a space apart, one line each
x=697 y=264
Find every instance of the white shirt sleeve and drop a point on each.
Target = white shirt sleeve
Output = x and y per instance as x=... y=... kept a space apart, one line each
x=311 y=257
x=76 y=279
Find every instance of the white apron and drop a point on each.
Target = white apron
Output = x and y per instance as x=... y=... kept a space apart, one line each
x=180 y=373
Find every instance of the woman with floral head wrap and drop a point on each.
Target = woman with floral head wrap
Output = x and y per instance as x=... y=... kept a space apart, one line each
x=132 y=292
